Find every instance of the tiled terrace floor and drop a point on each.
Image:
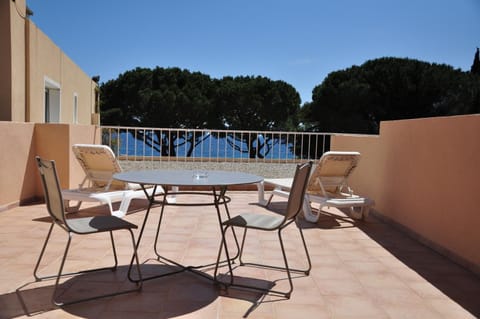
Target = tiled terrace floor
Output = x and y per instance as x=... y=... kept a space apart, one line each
x=360 y=270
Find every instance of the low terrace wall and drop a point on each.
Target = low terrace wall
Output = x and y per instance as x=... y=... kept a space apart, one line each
x=423 y=175
x=21 y=142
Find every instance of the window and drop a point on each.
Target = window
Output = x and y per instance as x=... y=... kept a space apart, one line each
x=52 y=101
x=75 y=108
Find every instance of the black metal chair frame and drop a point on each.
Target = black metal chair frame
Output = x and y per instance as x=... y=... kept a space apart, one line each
x=56 y=209
x=294 y=206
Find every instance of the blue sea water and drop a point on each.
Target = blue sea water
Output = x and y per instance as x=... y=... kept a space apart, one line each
x=210 y=146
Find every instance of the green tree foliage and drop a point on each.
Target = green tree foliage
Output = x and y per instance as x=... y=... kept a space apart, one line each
x=160 y=98
x=175 y=98
x=256 y=104
x=475 y=69
x=355 y=100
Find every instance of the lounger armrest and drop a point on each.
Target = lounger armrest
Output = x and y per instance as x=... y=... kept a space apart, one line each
x=348 y=202
x=91 y=196
x=281 y=193
x=344 y=202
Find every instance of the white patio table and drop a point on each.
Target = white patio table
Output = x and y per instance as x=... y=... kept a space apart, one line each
x=218 y=183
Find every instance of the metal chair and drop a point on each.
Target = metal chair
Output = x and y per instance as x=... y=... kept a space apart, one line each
x=77 y=226
x=265 y=222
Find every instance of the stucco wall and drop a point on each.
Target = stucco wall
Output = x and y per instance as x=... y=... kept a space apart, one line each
x=5 y=62
x=423 y=175
x=47 y=61
x=27 y=58
x=21 y=142
x=16 y=158
x=18 y=61
x=12 y=60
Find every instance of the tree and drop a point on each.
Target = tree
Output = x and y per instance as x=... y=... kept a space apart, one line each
x=257 y=104
x=175 y=98
x=164 y=98
x=475 y=69
x=355 y=100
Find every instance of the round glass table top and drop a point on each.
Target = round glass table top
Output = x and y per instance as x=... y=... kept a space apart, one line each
x=187 y=177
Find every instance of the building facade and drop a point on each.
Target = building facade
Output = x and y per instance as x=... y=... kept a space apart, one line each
x=40 y=83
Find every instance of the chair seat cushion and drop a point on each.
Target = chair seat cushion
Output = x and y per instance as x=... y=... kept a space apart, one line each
x=97 y=224
x=257 y=221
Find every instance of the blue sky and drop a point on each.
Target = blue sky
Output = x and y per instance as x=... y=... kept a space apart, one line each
x=297 y=41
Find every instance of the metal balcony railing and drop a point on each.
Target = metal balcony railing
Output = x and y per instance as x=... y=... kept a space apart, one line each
x=224 y=149
x=164 y=144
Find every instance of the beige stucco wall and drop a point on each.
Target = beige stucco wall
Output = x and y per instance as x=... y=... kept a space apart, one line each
x=27 y=58
x=423 y=175
x=12 y=60
x=44 y=61
x=16 y=155
x=21 y=142
x=5 y=61
x=47 y=61
x=18 y=61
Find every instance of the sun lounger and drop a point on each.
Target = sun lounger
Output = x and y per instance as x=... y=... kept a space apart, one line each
x=327 y=186
x=99 y=164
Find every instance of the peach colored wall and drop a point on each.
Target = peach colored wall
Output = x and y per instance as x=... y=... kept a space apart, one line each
x=54 y=141
x=80 y=84
x=12 y=61
x=19 y=180
x=27 y=58
x=16 y=158
x=46 y=60
x=423 y=175
x=5 y=62
x=18 y=61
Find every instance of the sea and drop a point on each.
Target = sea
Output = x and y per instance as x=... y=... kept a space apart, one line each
x=209 y=147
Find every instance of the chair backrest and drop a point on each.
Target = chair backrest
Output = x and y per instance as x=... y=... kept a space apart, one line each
x=297 y=191
x=332 y=172
x=99 y=164
x=51 y=189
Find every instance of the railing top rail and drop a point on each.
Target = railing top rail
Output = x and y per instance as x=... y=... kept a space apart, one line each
x=195 y=148
x=217 y=130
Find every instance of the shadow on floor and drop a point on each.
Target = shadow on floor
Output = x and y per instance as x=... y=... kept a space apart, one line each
x=177 y=295
x=453 y=280
x=168 y=297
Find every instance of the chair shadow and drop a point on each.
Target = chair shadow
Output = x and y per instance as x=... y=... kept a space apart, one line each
x=256 y=297
x=28 y=302
x=167 y=297
x=186 y=291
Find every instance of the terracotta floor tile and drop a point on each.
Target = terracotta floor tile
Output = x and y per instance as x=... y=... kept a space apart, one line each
x=354 y=307
x=340 y=287
x=419 y=311
x=286 y=311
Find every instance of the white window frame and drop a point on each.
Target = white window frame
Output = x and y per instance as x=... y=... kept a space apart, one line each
x=75 y=108
x=52 y=101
